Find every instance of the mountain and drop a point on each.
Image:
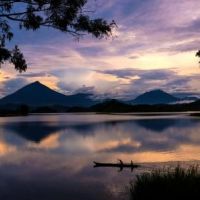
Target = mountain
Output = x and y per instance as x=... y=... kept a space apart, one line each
x=37 y=94
x=154 y=97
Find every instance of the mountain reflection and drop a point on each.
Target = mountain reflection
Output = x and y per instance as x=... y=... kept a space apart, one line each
x=33 y=131
x=160 y=125
x=128 y=136
x=157 y=125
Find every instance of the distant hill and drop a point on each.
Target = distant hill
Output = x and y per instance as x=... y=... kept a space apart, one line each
x=154 y=97
x=37 y=94
x=190 y=99
x=111 y=106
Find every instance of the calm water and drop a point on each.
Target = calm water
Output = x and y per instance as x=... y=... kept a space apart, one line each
x=50 y=157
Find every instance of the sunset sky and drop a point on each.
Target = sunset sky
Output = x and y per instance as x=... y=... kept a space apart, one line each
x=153 y=47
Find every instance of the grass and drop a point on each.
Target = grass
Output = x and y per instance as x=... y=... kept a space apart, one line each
x=168 y=184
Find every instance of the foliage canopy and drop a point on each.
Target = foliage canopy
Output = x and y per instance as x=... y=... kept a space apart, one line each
x=68 y=16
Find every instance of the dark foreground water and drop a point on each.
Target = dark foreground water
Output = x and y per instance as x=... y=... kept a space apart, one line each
x=50 y=157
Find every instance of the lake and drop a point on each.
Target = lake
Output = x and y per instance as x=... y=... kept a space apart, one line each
x=50 y=157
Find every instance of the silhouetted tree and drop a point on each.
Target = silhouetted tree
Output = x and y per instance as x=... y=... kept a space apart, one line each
x=68 y=16
x=198 y=54
x=23 y=110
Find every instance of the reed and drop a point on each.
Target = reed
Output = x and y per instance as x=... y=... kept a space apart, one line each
x=168 y=184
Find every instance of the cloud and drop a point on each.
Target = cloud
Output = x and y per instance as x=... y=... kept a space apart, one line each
x=12 y=85
x=146 y=74
x=186 y=46
x=151 y=38
x=34 y=75
x=86 y=90
x=124 y=83
x=133 y=57
x=145 y=80
x=143 y=26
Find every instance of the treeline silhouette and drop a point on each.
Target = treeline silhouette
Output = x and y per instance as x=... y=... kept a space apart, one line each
x=109 y=106
x=12 y=110
x=115 y=106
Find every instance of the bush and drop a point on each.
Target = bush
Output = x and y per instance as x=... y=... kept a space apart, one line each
x=167 y=184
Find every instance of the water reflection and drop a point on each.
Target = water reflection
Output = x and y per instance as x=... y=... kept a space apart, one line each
x=131 y=136
x=50 y=158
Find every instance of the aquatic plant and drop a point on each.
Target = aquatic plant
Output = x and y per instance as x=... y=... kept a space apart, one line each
x=178 y=183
